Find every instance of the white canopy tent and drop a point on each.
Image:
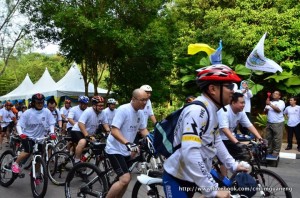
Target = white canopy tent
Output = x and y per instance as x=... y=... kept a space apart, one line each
x=21 y=90
x=45 y=85
x=72 y=84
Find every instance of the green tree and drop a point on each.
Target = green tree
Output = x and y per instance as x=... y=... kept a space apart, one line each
x=126 y=37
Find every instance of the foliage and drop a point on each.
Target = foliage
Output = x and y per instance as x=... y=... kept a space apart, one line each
x=261 y=120
x=33 y=64
x=125 y=37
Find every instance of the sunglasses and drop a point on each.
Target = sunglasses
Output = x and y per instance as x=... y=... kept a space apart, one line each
x=229 y=86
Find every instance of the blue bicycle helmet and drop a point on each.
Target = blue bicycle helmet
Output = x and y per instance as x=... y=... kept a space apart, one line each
x=83 y=99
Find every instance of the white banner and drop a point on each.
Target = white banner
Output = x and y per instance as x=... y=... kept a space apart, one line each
x=257 y=60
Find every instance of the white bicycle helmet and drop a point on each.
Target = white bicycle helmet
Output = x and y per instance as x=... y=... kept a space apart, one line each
x=111 y=101
x=146 y=88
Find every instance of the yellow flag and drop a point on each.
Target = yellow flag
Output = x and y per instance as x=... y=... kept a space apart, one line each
x=199 y=47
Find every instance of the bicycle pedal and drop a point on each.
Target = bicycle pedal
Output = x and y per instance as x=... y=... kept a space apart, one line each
x=21 y=175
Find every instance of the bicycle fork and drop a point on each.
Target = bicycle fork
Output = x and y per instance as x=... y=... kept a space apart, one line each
x=34 y=166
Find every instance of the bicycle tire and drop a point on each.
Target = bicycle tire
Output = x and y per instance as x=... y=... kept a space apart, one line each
x=278 y=187
x=41 y=180
x=5 y=168
x=51 y=150
x=58 y=167
x=97 y=186
x=154 y=190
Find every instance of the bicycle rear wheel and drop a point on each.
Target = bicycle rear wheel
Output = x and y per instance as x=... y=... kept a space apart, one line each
x=270 y=184
x=7 y=177
x=39 y=184
x=80 y=184
x=58 y=167
x=155 y=190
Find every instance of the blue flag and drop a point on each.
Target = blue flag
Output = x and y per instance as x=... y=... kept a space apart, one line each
x=216 y=57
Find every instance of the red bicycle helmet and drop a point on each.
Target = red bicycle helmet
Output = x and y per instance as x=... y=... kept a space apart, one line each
x=216 y=73
x=8 y=103
x=97 y=99
x=38 y=97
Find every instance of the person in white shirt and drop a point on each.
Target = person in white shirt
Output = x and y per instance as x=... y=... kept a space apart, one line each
x=64 y=111
x=87 y=125
x=228 y=121
x=20 y=113
x=192 y=162
x=148 y=111
x=293 y=114
x=75 y=112
x=244 y=89
x=120 y=147
x=110 y=110
x=51 y=105
x=275 y=124
x=33 y=124
x=8 y=120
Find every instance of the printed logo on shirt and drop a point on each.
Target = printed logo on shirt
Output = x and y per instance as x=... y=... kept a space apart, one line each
x=43 y=118
x=138 y=120
x=191 y=138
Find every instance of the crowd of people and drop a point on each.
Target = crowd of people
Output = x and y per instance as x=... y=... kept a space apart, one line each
x=190 y=164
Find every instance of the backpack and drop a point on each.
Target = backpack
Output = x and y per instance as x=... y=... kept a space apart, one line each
x=164 y=131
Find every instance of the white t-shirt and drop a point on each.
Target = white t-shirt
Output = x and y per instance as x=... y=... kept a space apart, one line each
x=148 y=111
x=74 y=113
x=91 y=120
x=293 y=114
x=6 y=116
x=56 y=115
x=64 y=111
x=36 y=123
x=129 y=121
x=273 y=116
x=109 y=114
x=247 y=97
x=231 y=120
x=193 y=160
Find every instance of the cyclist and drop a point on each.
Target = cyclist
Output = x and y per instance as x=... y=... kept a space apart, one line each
x=120 y=147
x=148 y=111
x=87 y=125
x=33 y=124
x=64 y=111
x=7 y=119
x=51 y=105
x=110 y=110
x=76 y=112
x=228 y=121
x=190 y=165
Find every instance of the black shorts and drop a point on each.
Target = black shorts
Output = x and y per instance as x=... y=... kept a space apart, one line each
x=119 y=163
x=76 y=136
x=27 y=145
x=8 y=128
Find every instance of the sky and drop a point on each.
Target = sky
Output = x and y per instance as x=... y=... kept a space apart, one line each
x=50 y=49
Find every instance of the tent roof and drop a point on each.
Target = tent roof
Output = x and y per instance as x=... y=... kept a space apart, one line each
x=25 y=85
x=73 y=84
x=45 y=85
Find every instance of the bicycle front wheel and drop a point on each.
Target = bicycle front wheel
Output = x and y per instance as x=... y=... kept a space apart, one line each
x=270 y=184
x=80 y=184
x=58 y=167
x=7 y=177
x=155 y=190
x=39 y=178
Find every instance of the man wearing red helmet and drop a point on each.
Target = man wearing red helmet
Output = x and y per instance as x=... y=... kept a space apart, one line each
x=87 y=125
x=190 y=165
x=33 y=124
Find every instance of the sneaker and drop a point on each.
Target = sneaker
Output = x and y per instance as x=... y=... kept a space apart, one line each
x=37 y=181
x=288 y=148
x=15 y=168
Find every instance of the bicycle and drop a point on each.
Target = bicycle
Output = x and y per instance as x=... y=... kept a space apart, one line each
x=38 y=173
x=268 y=182
x=103 y=177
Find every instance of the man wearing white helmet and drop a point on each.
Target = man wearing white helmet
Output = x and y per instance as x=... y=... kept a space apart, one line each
x=148 y=111
x=110 y=110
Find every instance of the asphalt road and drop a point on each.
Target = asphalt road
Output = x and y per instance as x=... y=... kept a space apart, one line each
x=288 y=169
